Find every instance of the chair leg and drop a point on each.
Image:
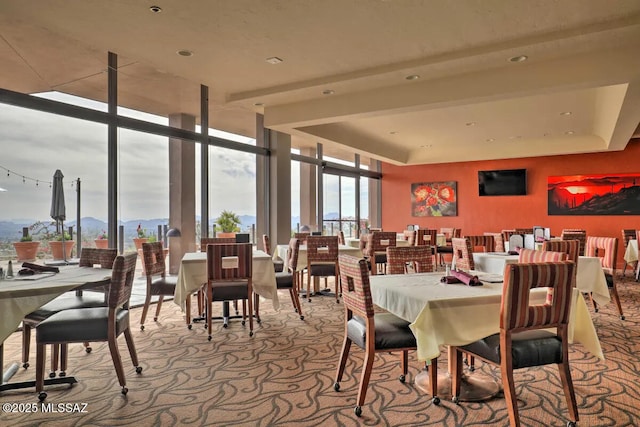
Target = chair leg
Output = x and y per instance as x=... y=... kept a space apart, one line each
x=117 y=361
x=256 y=306
x=250 y=303
x=145 y=309
x=235 y=306
x=309 y=285
x=188 y=311
x=433 y=381
x=344 y=356
x=209 y=308
x=569 y=393
x=160 y=298
x=506 y=371
x=64 y=357
x=616 y=298
x=132 y=349
x=55 y=355
x=364 y=378
x=40 y=366
x=455 y=358
x=26 y=344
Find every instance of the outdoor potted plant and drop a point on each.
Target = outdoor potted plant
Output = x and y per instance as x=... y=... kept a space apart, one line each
x=102 y=241
x=57 y=247
x=228 y=224
x=141 y=237
x=26 y=248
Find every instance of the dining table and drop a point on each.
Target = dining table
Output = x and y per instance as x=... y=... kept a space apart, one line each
x=457 y=314
x=590 y=276
x=281 y=252
x=192 y=274
x=22 y=295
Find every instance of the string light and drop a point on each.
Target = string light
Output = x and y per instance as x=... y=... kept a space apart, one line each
x=26 y=178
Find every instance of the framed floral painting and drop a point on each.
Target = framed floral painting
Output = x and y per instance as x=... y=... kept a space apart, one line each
x=434 y=199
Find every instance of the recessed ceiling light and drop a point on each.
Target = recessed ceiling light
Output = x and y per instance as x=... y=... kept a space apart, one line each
x=328 y=92
x=490 y=140
x=413 y=77
x=470 y=124
x=565 y=113
x=569 y=132
x=185 y=52
x=519 y=58
x=155 y=9
x=273 y=60
x=258 y=104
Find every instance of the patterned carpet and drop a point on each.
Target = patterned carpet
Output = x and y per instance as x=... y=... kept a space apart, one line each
x=284 y=374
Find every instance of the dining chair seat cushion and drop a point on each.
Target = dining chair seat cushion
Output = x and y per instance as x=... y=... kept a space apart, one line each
x=80 y=325
x=392 y=332
x=65 y=302
x=284 y=280
x=278 y=265
x=381 y=258
x=529 y=348
x=229 y=290
x=164 y=285
x=323 y=270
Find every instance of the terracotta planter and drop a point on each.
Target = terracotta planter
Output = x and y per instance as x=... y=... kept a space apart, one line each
x=56 y=249
x=138 y=242
x=102 y=243
x=26 y=251
x=224 y=234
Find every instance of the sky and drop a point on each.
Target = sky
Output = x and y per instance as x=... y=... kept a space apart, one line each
x=34 y=144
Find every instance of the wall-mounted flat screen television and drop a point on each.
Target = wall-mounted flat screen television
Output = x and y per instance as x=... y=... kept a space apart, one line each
x=505 y=182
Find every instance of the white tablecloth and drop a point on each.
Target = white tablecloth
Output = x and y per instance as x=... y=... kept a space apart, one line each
x=458 y=314
x=20 y=297
x=302 y=254
x=589 y=277
x=193 y=274
x=631 y=253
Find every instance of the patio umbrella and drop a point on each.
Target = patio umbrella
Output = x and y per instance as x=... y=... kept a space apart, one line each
x=58 y=208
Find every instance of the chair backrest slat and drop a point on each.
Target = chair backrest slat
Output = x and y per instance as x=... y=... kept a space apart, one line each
x=595 y=246
x=485 y=242
x=314 y=254
x=92 y=256
x=218 y=270
x=153 y=258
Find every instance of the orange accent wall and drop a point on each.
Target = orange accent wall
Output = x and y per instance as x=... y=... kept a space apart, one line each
x=479 y=214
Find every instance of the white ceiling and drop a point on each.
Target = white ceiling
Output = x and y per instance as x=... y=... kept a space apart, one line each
x=470 y=102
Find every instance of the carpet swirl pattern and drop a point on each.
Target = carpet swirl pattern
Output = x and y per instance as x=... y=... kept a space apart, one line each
x=284 y=375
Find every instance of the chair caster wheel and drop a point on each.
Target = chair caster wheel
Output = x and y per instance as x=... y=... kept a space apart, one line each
x=88 y=350
x=621 y=317
x=455 y=400
x=596 y=309
x=401 y=378
x=336 y=386
x=62 y=374
x=309 y=299
x=142 y=327
x=209 y=338
x=358 y=411
x=259 y=321
x=25 y=365
x=42 y=396
x=571 y=424
x=189 y=326
x=472 y=368
x=52 y=374
x=435 y=400
x=301 y=317
x=138 y=369
x=155 y=319
x=124 y=391
x=225 y=326
x=251 y=333
x=243 y=323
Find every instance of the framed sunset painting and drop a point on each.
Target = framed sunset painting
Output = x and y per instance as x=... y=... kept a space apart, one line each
x=434 y=199
x=602 y=194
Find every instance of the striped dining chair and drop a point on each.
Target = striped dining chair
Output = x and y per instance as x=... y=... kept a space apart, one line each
x=463 y=253
x=606 y=248
x=419 y=258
